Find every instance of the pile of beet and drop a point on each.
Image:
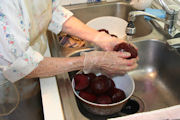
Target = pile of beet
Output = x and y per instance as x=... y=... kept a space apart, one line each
x=98 y=89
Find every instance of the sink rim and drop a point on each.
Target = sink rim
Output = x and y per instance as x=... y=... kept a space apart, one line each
x=103 y=3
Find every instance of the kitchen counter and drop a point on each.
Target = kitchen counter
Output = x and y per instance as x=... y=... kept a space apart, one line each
x=50 y=97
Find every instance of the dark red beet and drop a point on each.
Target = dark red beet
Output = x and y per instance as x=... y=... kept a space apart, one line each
x=100 y=84
x=125 y=47
x=104 y=99
x=89 y=90
x=110 y=91
x=81 y=81
x=103 y=30
x=91 y=76
x=117 y=95
x=102 y=77
x=87 y=96
x=112 y=84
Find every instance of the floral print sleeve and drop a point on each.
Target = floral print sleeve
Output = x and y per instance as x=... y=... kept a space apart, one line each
x=59 y=16
x=17 y=58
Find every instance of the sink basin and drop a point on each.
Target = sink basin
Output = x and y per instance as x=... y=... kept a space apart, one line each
x=156 y=78
x=120 y=10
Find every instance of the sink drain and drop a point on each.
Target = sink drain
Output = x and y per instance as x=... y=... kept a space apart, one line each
x=133 y=105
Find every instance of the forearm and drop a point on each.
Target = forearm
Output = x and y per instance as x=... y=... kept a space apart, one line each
x=75 y=27
x=54 y=66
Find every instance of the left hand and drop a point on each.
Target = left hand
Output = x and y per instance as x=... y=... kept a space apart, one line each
x=106 y=41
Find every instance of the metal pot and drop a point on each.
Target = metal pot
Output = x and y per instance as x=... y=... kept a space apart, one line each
x=126 y=83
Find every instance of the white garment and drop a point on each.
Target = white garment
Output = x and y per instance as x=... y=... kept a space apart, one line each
x=141 y=4
x=17 y=57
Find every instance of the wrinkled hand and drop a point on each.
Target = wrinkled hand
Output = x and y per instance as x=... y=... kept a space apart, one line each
x=110 y=62
x=106 y=41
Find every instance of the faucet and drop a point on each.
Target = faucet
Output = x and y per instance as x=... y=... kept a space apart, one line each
x=169 y=26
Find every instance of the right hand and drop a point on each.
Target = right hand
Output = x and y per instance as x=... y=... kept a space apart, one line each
x=106 y=41
x=110 y=62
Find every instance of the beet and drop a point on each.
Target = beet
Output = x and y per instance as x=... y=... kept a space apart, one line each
x=110 y=91
x=125 y=47
x=98 y=89
x=117 y=95
x=88 y=89
x=114 y=35
x=87 y=96
x=100 y=84
x=81 y=81
x=103 y=30
x=91 y=76
x=104 y=99
x=112 y=83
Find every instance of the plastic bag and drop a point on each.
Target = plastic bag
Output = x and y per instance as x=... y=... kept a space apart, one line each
x=9 y=96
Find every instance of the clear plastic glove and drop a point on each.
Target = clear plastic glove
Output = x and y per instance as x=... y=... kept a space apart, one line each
x=106 y=41
x=140 y=4
x=109 y=63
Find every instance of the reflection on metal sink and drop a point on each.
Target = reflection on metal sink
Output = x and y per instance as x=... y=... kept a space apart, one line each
x=119 y=9
x=156 y=78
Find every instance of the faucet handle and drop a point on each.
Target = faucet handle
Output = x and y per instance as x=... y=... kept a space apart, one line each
x=166 y=8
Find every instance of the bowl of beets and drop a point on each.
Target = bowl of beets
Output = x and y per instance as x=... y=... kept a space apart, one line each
x=100 y=94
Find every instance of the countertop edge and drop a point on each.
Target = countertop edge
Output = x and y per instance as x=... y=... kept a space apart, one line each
x=52 y=106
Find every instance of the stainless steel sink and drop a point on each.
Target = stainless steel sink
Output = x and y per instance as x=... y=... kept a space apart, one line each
x=156 y=78
x=120 y=10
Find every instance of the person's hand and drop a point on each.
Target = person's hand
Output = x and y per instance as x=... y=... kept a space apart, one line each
x=106 y=41
x=110 y=62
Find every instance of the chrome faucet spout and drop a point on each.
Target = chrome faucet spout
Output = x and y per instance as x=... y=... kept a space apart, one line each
x=134 y=14
x=169 y=21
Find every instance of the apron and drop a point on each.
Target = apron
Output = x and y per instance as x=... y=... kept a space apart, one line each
x=40 y=14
